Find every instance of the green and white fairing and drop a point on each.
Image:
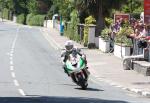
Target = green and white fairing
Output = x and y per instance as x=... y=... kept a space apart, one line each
x=75 y=64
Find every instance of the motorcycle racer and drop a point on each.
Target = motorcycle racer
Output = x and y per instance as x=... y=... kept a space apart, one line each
x=70 y=48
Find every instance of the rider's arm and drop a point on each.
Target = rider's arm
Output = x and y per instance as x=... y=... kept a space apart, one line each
x=81 y=53
x=63 y=56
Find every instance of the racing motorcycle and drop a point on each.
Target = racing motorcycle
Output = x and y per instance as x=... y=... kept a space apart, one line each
x=77 y=70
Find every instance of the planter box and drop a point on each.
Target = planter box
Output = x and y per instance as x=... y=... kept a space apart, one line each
x=121 y=51
x=104 y=45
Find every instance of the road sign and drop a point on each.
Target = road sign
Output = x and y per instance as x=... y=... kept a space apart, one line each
x=125 y=17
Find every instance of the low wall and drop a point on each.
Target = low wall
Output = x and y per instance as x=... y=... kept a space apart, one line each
x=97 y=41
x=48 y=23
x=14 y=19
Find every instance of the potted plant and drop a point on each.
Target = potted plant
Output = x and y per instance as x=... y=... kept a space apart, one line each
x=122 y=43
x=104 y=43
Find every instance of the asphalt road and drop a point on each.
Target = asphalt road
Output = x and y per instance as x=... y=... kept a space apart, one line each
x=30 y=72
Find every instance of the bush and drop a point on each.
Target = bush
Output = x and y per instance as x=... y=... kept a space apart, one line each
x=108 y=21
x=105 y=33
x=136 y=15
x=122 y=36
x=29 y=16
x=5 y=14
x=36 y=20
x=21 y=19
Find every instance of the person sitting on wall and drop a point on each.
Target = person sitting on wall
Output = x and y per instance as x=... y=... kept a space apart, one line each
x=141 y=38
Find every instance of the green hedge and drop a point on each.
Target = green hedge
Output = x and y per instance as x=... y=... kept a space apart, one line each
x=29 y=16
x=5 y=13
x=35 y=20
x=21 y=19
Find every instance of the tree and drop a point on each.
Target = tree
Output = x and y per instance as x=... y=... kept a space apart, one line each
x=39 y=6
x=99 y=9
x=6 y=8
x=63 y=8
x=133 y=6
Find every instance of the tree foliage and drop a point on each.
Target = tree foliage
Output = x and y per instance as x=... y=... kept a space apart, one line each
x=39 y=6
x=97 y=8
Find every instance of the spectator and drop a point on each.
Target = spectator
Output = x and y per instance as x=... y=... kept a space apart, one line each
x=141 y=38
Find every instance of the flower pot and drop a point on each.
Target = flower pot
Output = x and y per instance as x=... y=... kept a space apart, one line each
x=104 y=45
x=122 y=51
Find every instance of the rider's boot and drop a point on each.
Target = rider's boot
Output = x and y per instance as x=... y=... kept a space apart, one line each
x=66 y=71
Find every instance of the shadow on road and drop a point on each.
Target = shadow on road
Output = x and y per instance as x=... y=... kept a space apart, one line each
x=2 y=30
x=90 y=89
x=69 y=84
x=55 y=100
x=141 y=83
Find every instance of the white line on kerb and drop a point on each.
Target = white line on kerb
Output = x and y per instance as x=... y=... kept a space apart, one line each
x=13 y=74
x=16 y=83
x=11 y=68
x=21 y=92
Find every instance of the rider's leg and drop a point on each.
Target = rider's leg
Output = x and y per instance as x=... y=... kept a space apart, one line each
x=73 y=78
x=65 y=70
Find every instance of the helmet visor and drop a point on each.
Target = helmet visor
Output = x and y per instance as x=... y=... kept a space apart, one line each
x=69 y=47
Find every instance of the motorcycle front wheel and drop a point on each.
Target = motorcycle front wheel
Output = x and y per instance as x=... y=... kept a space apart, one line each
x=82 y=82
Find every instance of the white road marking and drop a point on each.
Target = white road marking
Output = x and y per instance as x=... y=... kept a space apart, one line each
x=136 y=90
x=11 y=58
x=21 y=92
x=12 y=49
x=11 y=63
x=14 y=42
x=13 y=75
x=113 y=84
x=146 y=93
x=11 y=52
x=8 y=54
x=13 y=46
x=16 y=83
x=11 y=68
x=11 y=55
x=125 y=88
x=119 y=86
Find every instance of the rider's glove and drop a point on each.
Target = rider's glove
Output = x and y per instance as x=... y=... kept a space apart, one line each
x=84 y=57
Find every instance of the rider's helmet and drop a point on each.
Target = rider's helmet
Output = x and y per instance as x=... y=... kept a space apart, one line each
x=69 y=45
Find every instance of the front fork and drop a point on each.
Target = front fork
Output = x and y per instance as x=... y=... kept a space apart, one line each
x=85 y=73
